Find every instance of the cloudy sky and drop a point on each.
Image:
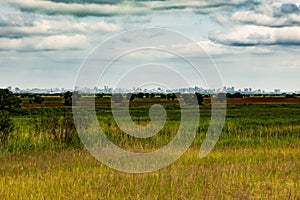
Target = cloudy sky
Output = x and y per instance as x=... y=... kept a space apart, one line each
x=253 y=43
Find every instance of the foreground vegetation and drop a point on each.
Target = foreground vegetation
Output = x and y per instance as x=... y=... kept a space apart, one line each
x=226 y=173
x=257 y=155
x=52 y=128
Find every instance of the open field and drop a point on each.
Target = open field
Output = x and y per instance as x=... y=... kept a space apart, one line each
x=257 y=156
x=226 y=173
x=58 y=101
x=250 y=124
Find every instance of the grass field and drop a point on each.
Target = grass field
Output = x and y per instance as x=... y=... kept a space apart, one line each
x=226 y=173
x=257 y=157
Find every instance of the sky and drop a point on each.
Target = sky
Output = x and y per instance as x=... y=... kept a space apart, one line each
x=252 y=43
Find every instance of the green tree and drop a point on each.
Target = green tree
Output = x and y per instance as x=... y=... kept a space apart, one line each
x=8 y=100
x=290 y=95
x=130 y=96
x=99 y=95
x=68 y=98
x=162 y=96
x=169 y=96
x=221 y=97
x=75 y=97
x=152 y=95
x=140 y=95
x=235 y=95
x=173 y=96
x=190 y=99
x=117 y=98
x=38 y=99
x=71 y=98
x=199 y=98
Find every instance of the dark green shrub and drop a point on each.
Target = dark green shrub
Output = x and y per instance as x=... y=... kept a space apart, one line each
x=117 y=98
x=8 y=100
x=6 y=126
x=190 y=99
x=38 y=99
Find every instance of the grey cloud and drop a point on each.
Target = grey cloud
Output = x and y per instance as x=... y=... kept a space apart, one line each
x=288 y=8
x=202 y=7
x=17 y=20
x=82 y=8
x=248 y=4
x=14 y=33
x=88 y=1
x=179 y=7
x=75 y=9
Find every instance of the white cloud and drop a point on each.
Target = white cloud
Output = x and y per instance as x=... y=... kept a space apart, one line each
x=266 y=13
x=250 y=17
x=258 y=35
x=9 y=19
x=56 y=42
x=104 y=26
x=39 y=26
x=24 y=25
x=216 y=49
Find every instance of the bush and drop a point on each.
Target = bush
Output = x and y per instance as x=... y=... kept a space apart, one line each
x=68 y=98
x=199 y=98
x=117 y=98
x=190 y=99
x=6 y=126
x=60 y=128
x=130 y=97
x=38 y=99
x=140 y=95
x=8 y=100
x=68 y=131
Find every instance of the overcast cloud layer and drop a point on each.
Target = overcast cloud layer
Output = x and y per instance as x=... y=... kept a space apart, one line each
x=245 y=38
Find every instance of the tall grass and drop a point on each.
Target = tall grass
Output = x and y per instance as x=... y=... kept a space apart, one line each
x=53 y=128
x=42 y=129
x=257 y=157
x=226 y=173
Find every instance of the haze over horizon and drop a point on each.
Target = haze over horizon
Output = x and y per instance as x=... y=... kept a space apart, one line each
x=253 y=43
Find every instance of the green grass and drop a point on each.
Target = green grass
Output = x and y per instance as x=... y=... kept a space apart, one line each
x=251 y=125
x=226 y=173
x=256 y=157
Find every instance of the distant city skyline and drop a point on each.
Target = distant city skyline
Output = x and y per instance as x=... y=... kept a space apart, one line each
x=107 y=89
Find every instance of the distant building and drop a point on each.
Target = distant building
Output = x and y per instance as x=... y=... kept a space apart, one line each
x=277 y=91
x=17 y=90
x=259 y=91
